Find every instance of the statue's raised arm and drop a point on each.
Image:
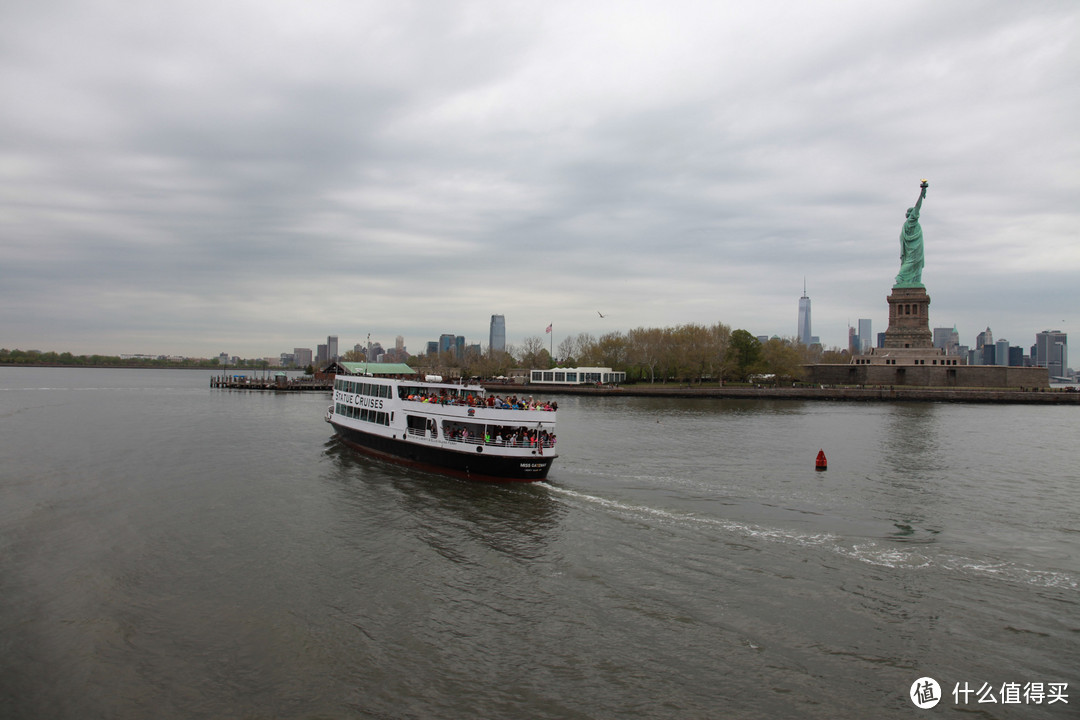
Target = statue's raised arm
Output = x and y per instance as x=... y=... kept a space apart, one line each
x=911 y=246
x=918 y=203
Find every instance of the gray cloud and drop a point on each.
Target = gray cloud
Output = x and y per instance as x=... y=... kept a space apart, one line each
x=196 y=177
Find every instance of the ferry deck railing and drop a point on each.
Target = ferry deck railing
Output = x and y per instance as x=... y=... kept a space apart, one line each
x=547 y=442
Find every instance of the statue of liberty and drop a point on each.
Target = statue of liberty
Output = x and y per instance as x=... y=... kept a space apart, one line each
x=911 y=246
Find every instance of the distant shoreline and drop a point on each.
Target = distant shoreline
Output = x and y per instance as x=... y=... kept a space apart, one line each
x=1034 y=396
x=855 y=394
x=218 y=369
x=116 y=367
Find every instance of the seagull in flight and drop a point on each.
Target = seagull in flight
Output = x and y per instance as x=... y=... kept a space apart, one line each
x=600 y=314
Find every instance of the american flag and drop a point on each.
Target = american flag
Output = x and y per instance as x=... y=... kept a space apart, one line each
x=548 y=329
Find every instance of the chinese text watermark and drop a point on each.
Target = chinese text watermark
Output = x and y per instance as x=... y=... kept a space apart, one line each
x=925 y=693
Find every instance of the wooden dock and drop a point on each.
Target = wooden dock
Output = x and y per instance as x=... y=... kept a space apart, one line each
x=274 y=384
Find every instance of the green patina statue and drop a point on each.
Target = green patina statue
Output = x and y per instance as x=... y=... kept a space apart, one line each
x=911 y=247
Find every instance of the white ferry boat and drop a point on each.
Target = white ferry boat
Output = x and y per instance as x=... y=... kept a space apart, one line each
x=457 y=429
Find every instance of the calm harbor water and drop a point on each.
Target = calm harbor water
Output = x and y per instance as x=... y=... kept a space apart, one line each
x=172 y=551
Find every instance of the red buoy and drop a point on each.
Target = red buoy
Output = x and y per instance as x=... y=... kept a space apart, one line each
x=822 y=463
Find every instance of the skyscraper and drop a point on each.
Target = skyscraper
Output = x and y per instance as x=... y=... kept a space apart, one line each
x=1052 y=352
x=1001 y=352
x=302 y=356
x=497 y=334
x=804 y=335
x=866 y=335
x=948 y=339
x=331 y=348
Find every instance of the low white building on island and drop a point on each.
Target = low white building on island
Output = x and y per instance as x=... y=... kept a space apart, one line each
x=577 y=376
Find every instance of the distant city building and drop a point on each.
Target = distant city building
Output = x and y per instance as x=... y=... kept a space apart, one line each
x=446 y=342
x=223 y=358
x=880 y=340
x=804 y=335
x=941 y=337
x=497 y=334
x=1016 y=356
x=947 y=339
x=989 y=354
x=321 y=360
x=1001 y=352
x=432 y=347
x=866 y=335
x=1051 y=351
x=302 y=357
x=984 y=338
x=331 y=348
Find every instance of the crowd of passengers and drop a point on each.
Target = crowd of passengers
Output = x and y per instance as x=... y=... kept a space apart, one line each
x=519 y=437
x=492 y=401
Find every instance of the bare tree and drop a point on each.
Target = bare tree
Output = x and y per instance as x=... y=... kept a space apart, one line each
x=533 y=353
x=646 y=349
x=568 y=351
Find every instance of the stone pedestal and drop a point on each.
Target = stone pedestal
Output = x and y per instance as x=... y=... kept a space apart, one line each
x=909 y=319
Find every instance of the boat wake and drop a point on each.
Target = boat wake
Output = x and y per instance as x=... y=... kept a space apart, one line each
x=911 y=555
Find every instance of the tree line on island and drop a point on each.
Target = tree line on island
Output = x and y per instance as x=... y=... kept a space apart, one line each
x=689 y=353
x=67 y=359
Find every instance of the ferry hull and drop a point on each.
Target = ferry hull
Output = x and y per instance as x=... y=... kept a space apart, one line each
x=486 y=466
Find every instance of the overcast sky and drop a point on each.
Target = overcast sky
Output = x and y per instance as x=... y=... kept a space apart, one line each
x=249 y=177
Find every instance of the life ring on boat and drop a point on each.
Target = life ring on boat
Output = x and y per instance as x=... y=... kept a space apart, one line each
x=479 y=448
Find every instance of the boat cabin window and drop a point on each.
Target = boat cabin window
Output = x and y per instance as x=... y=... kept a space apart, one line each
x=421 y=425
x=358 y=387
x=373 y=416
x=463 y=431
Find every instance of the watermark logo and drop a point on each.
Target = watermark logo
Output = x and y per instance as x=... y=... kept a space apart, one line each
x=925 y=693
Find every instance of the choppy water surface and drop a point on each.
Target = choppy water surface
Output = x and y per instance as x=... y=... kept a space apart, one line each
x=174 y=551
